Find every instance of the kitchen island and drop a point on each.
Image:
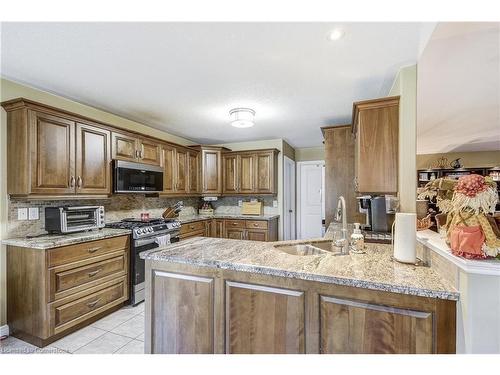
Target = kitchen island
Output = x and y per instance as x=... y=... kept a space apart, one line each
x=207 y=295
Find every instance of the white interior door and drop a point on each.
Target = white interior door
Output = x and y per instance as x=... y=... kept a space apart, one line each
x=289 y=199
x=310 y=199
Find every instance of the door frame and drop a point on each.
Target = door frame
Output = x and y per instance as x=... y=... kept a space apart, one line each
x=292 y=192
x=299 y=165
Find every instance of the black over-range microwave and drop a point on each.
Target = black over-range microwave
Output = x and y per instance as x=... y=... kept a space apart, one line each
x=130 y=177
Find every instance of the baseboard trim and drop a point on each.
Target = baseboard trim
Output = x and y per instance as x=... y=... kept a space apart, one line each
x=4 y=330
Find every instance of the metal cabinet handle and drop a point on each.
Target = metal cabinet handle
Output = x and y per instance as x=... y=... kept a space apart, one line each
x=140 y=154
x=191 y=227
x=93 y=303
x=255 y=224
x=72 y=181
x=79 y=182
x=137 y=154
x=93 y=273
x=93 y=249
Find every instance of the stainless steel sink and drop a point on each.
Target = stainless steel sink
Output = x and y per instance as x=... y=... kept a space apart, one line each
x=302 y=249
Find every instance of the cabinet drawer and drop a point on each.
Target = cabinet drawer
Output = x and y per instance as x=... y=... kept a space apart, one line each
x=198 y=233
x=191 y=227
x=69 y=314
x=64 y=280
x=235 y=224
x=86 y=250
x=256 y=224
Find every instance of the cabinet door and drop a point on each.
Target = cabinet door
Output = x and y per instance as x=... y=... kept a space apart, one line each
x=230 y=174
x=219 y=228
x=265 y=173
x=211 y=168
x=150 y=152
x=256 y=235
x=183 y=319
x=181 y=170
x=169 y=164
x=209 y=232
x=52 y=154
x=194 y=172
x=124 y=147
x=235 y=233
x=377 y=150
x=348 y=326
x=274 y=324
x=246 y=173
x=93 y=164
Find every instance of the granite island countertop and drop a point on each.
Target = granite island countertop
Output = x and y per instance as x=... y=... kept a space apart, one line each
x=192 y=218
x=372 y=270
x=49 y=241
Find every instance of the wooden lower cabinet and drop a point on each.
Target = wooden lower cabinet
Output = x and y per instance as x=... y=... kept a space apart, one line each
x=235 y=233
x=273 y=324
x=214 y=310
x=348 y=326
x=53 y=292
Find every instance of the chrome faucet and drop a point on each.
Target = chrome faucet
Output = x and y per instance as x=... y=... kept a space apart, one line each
x=342 y=243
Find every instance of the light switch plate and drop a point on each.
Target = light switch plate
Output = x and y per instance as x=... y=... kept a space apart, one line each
x=22 y=214
x=240 y=202
x=275 y=203
x=33 y=213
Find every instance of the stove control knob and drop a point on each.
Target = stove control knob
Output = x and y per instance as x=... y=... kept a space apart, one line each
x=140 y=231
x=150 y=229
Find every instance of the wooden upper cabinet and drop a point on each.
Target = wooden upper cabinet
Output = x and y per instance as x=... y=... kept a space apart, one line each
x=125 y=147
x=230 y=176
x=93 y=160
x=266 y=170
x=194 y=169
x=276 y=333
x=246 y=173
x=355 y=327
x=211 y=169
x=149 y=152
x=169 y=164
x=181 y=175
x=376 y=128
x=52 y=154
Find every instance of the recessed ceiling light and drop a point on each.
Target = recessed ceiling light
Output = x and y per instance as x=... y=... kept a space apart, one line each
x=242 y=117
x=336 y=34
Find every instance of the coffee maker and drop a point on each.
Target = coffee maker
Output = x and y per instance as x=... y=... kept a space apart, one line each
x=380 y=212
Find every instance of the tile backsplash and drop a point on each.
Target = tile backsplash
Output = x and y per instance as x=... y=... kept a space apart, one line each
x=119 y=207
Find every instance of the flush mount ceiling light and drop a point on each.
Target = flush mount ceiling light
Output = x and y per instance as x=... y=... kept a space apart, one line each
x=242 y=117
x=335 y=34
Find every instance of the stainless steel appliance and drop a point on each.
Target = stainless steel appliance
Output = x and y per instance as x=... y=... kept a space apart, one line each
x=129 y=177
x=146 y=235
x=380 y=212
x=69 y=219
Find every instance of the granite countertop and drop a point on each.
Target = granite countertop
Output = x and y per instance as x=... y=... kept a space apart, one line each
x=373 y=270
x=191 y=218
x=50 y=241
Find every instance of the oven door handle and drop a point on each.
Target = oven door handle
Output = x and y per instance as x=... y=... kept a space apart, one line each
x=139 y=243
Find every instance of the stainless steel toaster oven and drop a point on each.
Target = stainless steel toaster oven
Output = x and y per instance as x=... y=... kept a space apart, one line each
x=69 y=219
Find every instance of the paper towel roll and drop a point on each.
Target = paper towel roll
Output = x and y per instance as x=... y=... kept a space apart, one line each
x=405 y=237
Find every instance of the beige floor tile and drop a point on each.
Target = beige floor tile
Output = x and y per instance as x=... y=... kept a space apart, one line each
x=76 y=340
x=105 y=344
x=113 y=320
x=133 y=347
x=134 y=309
x=12 y=345
x=140 y=337
x=131 y=328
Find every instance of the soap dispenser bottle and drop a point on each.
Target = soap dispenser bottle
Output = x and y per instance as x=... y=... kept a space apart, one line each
x=357 y=240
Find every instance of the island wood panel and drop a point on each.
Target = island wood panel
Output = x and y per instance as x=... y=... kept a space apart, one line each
x=264 y=320
x=246 y=173
x=150 y=152
x=181 y=184
x=124 y=147
x=169 y=165
x=52 y=154
x=349 y=326
x=194 y=172
x=339 y=173
x=377 y=130
x=183 y=320
x=230 y=174
x=93 y=160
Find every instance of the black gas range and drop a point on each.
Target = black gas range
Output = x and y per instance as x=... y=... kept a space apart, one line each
x=146 y=235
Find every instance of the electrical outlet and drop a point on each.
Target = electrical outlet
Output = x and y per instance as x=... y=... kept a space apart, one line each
x=240 y=202
x=275 y=203
x=22 y=214
x=33 y=213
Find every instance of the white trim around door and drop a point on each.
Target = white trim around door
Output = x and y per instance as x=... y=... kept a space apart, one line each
x=289 y=199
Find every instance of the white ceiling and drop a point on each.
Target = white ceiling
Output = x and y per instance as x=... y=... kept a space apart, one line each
x=458 y=95
x=184 y=77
